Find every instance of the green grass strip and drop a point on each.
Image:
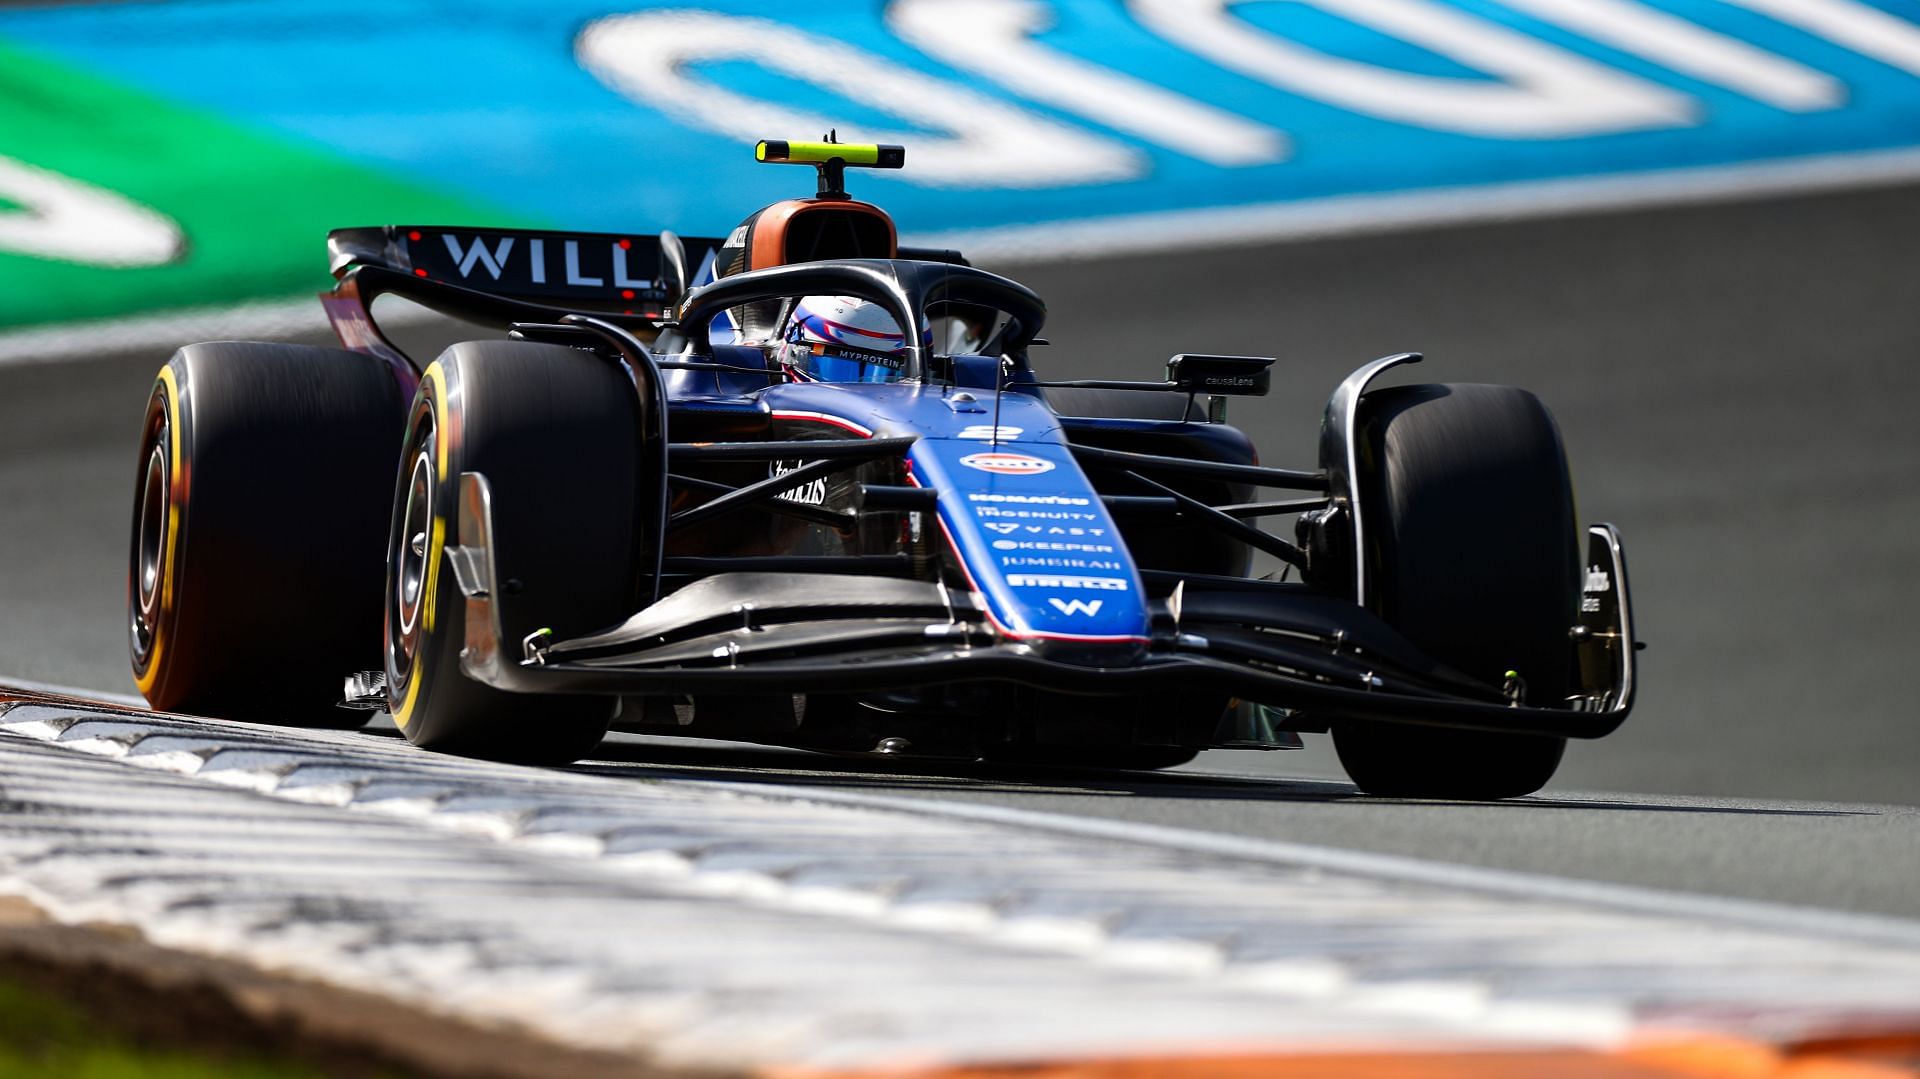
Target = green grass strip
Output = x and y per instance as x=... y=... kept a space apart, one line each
x=255 y=205
x=41 y=1036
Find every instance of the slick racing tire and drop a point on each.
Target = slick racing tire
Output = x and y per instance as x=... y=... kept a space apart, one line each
x=555 y=432
x=255 y=568
x=1473 y=554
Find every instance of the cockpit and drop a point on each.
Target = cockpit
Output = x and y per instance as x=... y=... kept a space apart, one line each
x=831 y=338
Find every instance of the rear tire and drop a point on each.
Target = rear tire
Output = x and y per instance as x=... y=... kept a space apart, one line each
x=1474 y=556
x=555 y=432
x=255 y=564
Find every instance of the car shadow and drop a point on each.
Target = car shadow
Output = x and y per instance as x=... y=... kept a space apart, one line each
x=740 y=763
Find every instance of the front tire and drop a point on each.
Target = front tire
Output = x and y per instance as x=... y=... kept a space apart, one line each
x=1474 y=556
x=555 y=432
x=255 y=562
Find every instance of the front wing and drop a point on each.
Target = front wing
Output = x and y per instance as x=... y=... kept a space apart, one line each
x=1282 y=645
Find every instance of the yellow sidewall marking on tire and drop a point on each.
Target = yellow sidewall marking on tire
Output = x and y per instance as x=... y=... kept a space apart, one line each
x=175 y=491
x=431 y=588
x=405 y=712
x=436 y=542
x=434 y=546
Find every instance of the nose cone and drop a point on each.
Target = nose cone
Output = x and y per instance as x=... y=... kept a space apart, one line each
x=1034 y=539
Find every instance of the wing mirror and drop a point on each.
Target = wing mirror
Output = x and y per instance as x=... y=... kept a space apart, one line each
x=673 y=270
x=1235 y=376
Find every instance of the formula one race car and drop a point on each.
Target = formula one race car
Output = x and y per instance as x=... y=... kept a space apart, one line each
x=802 y=486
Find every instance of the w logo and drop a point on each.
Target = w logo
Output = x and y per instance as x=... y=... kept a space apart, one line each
x=1088 y=607
x=494 y=260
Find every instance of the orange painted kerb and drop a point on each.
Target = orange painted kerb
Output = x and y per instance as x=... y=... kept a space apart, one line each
x=1699 y=1058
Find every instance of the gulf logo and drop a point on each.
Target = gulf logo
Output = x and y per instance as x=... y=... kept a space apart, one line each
x=1007 y=464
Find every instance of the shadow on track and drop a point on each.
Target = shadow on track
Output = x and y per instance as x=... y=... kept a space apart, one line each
x=739 y=763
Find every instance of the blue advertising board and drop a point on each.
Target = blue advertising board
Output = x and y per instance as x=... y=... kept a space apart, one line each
x=607 y=115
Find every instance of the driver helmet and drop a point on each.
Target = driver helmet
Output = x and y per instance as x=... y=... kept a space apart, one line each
x=842 y=339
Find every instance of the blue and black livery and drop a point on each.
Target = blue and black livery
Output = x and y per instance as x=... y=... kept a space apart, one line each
x=628 y=503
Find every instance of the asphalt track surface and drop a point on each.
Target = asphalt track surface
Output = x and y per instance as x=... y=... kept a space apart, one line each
x=1735 y=385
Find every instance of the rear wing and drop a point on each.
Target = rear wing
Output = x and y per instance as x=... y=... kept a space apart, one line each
x=606 y=273
x=500 y=277
x=503 y=277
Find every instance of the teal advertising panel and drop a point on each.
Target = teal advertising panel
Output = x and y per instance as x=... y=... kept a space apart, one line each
x=160 y=154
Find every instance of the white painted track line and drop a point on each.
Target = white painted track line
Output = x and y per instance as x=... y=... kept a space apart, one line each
x=1168 y=231
x=161 y=332
x=53 y=689
x=1863 y=927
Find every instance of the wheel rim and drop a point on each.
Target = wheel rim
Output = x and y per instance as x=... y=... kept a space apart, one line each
x=150 y=537
x=408 y=559
x=414 y=521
